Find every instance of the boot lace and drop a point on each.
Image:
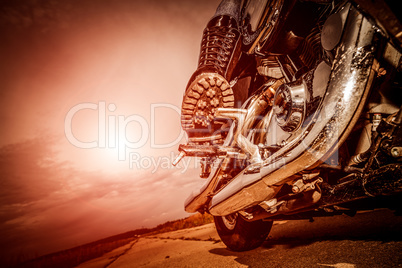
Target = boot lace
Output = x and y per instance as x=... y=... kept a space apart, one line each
x=216 y=47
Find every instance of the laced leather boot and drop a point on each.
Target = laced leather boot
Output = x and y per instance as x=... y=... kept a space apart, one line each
x=208 y=88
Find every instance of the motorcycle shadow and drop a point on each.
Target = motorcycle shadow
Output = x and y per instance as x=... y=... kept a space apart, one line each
x=350 y=238
x=377 y=225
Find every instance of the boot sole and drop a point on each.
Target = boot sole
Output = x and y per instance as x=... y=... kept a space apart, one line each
x=205 y=94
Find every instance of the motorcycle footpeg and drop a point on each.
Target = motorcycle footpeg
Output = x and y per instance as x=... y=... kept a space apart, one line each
x=206 y=151
x=196 y=151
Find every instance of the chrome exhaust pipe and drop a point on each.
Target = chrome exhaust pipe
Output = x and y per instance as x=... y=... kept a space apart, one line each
x=350 y=79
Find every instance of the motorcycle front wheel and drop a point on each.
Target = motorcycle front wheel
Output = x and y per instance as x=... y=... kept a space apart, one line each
x=241 y=235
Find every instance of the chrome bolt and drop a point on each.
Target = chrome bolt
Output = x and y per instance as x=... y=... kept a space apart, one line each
x=295 y=189
x=376 y=121
x=396 y=152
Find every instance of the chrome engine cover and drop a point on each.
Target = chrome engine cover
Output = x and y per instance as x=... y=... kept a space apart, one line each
x=290 y=106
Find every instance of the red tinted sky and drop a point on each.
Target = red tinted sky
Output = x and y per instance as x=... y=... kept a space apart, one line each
x=89 y=98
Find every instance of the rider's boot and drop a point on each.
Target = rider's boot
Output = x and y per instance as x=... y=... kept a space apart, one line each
x=209 y=87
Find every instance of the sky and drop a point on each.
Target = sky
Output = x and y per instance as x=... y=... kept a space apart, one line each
x=90 y=95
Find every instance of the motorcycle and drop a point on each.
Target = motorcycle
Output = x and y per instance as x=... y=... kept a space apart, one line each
x=321 y=135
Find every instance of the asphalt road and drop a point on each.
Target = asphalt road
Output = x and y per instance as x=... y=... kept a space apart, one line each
x=369 y=239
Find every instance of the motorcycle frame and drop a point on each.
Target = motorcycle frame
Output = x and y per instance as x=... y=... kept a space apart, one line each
x=347 y=91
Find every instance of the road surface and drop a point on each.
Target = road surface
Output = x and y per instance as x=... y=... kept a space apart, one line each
x=369 y=239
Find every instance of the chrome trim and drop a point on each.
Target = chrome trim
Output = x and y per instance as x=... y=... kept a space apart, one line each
x=267 y=25
x=350 y=80
x=290 y=106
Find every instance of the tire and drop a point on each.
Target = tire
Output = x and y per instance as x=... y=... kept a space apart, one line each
x=240 y=235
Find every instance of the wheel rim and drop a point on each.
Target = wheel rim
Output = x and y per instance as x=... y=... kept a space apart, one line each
x=230 y=221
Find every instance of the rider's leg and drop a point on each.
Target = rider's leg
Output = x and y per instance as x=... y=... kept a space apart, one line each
x=209 y=87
